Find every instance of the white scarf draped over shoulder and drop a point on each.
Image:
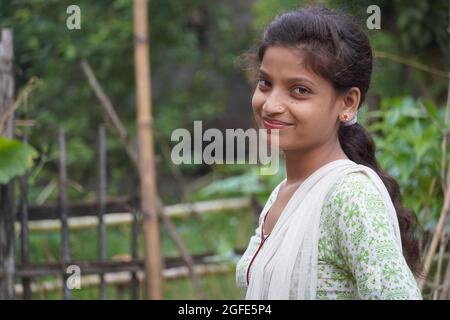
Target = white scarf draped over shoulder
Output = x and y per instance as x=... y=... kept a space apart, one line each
x=290 y=252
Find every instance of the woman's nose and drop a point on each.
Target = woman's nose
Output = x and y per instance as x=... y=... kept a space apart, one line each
x=274 y=102
x=272 y=107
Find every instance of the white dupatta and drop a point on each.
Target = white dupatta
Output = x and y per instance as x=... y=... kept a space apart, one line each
x=290 y=252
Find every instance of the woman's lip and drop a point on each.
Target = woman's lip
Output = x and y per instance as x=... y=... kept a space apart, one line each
x=273 y=124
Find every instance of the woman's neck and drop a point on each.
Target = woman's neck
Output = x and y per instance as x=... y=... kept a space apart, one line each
x=300 y=164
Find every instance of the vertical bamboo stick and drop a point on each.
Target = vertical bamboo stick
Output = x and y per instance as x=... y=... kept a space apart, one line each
x=102 y=188
x=63 y=209
x=6 y=81
x=153 y=282
x=7 y=215
x=134 y=283
x=24 y=240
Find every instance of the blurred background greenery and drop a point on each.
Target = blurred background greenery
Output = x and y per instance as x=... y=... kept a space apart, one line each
x=196 y=49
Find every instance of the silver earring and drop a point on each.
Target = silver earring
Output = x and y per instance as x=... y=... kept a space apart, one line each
x=350 y=122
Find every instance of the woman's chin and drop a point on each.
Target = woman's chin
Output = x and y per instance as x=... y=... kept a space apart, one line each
x=278 y=142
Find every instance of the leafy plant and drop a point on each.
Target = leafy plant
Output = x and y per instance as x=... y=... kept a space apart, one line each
x=15 y=158
x=408 y=135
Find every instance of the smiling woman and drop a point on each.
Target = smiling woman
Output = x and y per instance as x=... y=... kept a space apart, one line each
x=334 y=228
x=289 y=92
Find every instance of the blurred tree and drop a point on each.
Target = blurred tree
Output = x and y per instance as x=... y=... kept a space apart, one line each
x=193 y=45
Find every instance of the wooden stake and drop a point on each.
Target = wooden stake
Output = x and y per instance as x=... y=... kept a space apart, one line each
x=153 y=282
x=7 y=213
x=63 y=209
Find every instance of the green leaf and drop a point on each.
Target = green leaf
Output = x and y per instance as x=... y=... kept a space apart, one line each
x=15 y=158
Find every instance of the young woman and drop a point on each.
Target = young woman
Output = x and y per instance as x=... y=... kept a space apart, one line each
x=335 y=228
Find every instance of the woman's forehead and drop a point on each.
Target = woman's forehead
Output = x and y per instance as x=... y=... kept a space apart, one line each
x=287 y=63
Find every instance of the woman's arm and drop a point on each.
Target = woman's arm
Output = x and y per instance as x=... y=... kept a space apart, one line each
x=366 y=241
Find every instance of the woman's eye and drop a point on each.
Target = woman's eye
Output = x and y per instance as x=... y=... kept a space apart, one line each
x=263 y=83
x=301 y=90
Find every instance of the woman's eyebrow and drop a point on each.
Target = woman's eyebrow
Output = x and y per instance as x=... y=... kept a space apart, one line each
x=295 y=79
x=263 y=73
x=288 y=80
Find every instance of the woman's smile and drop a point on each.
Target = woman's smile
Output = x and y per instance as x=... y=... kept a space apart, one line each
x=270 y=123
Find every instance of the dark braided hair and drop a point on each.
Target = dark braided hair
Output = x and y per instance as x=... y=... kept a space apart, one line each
x=337 y=49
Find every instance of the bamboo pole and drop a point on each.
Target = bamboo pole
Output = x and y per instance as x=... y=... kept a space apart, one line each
x=102 y=192
x=24 y=234
x=109 y=111
x=445 y=293
x=175 y=211
x=7 y=214
x=63 y=209
x=124 y=277
x=147 y=173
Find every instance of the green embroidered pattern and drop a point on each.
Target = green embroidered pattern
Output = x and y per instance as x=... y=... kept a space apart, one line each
x=357 y=241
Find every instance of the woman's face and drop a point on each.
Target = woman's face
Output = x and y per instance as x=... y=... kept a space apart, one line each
x=293 y=99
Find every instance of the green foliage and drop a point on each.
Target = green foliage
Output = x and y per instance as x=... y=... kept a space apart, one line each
x=248 y=182
x=408 y=136
x=417 y=23
x=190 y=61
x=266 y=10
x=15 y=158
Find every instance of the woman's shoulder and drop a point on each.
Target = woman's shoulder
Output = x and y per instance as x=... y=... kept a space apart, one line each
x=353 y=184
x=353 y=191
x=353 y=208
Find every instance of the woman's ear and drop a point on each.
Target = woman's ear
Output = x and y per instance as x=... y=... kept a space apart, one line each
x=350 y=102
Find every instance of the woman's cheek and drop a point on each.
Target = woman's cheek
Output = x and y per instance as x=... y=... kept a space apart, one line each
x=307 y=121
x=257 y=101
x=301 y=112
